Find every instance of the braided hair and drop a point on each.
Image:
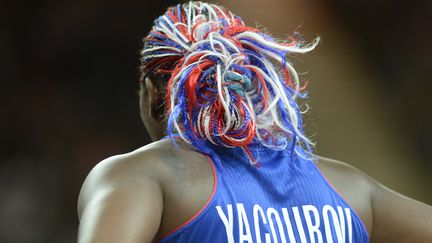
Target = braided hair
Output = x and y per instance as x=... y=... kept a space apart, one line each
x=226 y=83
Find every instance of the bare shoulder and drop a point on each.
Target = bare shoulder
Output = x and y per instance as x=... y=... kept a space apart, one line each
x=338 y=171
x=125 y=195
x=122 y=172
x=148 y=164
x=156 y=188
x=393 y=217
x=355 y=186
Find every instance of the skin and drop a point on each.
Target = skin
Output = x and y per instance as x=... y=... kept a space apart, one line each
x=140 y=196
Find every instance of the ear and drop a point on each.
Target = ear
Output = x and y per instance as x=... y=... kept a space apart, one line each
x=154 y=100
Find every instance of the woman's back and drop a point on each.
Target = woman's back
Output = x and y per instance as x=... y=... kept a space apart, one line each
x=286 y=199
x=147 y=194
x=244 y=170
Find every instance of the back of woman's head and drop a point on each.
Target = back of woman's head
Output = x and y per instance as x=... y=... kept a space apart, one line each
x=226 y=83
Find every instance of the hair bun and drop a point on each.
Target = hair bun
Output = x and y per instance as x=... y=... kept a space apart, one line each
x=230 y=84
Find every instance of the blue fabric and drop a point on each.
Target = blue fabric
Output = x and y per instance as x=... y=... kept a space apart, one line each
x=285 y=200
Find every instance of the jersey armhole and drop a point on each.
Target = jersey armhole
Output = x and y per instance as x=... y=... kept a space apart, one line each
x=333 y=188
x=202 y=210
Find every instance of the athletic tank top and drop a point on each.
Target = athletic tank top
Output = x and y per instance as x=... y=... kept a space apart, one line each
x=286 y=199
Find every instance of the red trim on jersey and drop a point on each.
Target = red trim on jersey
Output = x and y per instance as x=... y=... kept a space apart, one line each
x=342 y=198
x=203 y=207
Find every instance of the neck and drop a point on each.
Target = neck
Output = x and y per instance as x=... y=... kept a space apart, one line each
x=156 y=135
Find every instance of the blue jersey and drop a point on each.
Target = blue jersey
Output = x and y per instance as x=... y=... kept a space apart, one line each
x=286 y=199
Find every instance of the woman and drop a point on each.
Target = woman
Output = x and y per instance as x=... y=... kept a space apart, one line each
x=237 y=166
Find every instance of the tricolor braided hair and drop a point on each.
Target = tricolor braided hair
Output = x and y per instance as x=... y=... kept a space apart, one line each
x=227 y=84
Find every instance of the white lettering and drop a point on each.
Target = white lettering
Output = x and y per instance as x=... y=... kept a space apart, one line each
x=270 y=212
x=349 y=224
x=307 y=224
x=299 y=224
x=257 y=209
x=325 y=211
x=312 y=228
x=243 y=223
x=342 y=222
x=288 y=225
x=228 y=222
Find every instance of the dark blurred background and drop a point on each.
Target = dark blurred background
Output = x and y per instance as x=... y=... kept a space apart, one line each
x=69 y=71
